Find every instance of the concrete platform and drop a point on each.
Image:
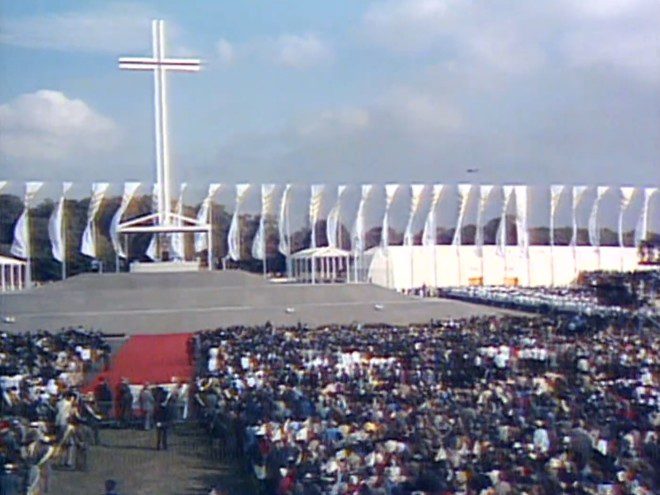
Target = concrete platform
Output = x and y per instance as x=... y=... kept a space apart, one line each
x=180 y=302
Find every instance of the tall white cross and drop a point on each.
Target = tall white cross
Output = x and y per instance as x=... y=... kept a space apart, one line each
x=160 y=64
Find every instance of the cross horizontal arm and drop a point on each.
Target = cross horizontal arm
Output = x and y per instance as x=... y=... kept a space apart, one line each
x=147 y=63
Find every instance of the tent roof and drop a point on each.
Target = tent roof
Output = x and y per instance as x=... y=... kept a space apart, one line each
x=321 y=252
x=6 y=260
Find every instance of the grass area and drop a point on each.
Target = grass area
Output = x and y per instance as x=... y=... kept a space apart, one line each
x=130 y=457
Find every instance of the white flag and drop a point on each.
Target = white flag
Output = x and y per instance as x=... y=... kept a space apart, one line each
x=430 y=233
x=555 y=195
x=501 y=228
x=56 y=232
x=409 y=235
x=20 y=247
x=259 y=242
x=594 y=229
x=641 y=229
x=578 y=191
x=463 y=197
x=129 y=191
x=484 y=194
x=626 y=197
x=234 y=236
x=201 y=242
x=358 y=233
x=152 y=248
x=88 y=246
x=522 y=230
x=315 y=209
x=332 y=224
x=390 y=192
x=3 y=183
x=284 y=246
x=177 y=240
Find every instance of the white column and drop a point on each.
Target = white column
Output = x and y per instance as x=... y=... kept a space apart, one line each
x=2 y=277
x=11 y=277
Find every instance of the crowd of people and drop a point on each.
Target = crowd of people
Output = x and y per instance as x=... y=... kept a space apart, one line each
x=604 y=293
x=488 y=405
x=44 y=418
x=536 y=299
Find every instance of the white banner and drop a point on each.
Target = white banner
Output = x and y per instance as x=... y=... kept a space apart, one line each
x=88 y=245
x=409 y=235
x=259 y=241
x=20 y=247
x=201 y=242
x=430 y=234
x=56 y=232
x=358 y=233
x=555 y=195
x=577 y=192
x=315 y=209
x=332 y=224
x=284 y=246
x=484 y=194
x=626 y=197
x=522 y=230
x=594 y=228
x=152 y=248
x=234 y=235
x=177 y=240
x=641 y=229
x=501 y=228
x=129 y=191
x=463 y=197
x=390 y=192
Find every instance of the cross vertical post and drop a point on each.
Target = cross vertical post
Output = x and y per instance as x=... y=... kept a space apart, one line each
x=160 y=64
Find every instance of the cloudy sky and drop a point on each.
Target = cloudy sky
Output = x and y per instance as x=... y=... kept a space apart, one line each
x=342 y=91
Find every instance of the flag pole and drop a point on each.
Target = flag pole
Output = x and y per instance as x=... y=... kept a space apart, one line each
x=28 y=267
x=63 y=238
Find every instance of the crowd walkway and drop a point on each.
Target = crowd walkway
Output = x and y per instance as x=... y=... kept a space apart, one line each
x=130 y=458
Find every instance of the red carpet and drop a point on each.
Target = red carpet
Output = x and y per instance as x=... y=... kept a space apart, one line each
x=152 y=358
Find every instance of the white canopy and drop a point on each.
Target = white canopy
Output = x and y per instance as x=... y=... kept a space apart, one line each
x=320 y=252
x=321 y=265
x=12 y=273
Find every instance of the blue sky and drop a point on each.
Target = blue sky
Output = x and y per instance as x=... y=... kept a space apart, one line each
x=343 y=91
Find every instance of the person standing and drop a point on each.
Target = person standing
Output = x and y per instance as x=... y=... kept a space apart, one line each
x=147 y=404
x=103 y=396
x=161 y=416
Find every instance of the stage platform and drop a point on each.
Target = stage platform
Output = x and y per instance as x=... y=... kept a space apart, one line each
x=146 y=303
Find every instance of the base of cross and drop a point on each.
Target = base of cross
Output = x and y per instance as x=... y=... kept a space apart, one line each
x=165 y=267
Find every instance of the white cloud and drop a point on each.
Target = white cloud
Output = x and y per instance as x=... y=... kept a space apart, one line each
x=341 y=121
x=521 y=37
x=115 y=28
x=617 y=34
x=301 y=50
x=226 y=52
x=47 y=126
x=409 y=25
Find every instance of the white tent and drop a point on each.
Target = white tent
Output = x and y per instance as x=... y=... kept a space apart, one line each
x=321 y=265
x=12 y=274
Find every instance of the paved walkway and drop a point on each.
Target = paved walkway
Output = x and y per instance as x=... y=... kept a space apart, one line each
x=129 y=457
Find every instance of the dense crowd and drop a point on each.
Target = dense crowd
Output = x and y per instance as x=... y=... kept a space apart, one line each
x=537 y=299
x=490 y=405
x=604 y=293
x=44 y=419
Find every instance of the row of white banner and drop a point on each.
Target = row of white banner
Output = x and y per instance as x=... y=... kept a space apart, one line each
x=21 y=244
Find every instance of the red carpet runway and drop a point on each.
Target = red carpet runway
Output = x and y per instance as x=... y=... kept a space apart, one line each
x=152 y=358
